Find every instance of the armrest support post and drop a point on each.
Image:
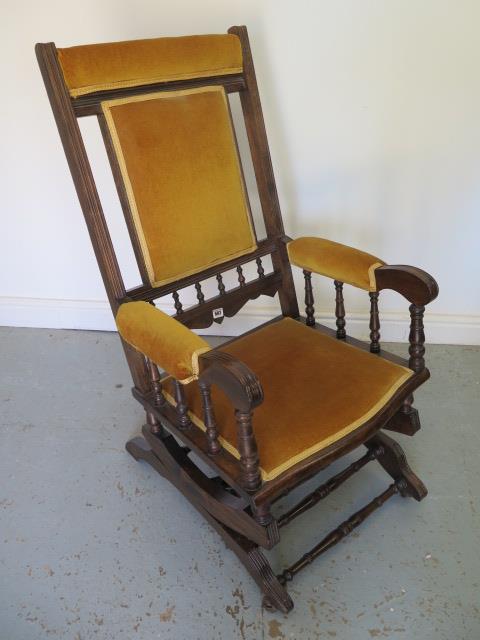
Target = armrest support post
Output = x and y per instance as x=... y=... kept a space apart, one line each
x=416 y=339
x=209 y=419
x=340 y=310
x=374 y=324
x=247 y=446
x=182 y=409
x=309 y=308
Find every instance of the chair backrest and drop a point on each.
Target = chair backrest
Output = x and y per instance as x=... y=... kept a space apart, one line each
x=164 y=114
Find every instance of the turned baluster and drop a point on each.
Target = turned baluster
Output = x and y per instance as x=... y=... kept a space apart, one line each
x=339 y=310
x=209 y=419
x=260 y=269
x=247 y=447
x=374 y=323
x=221 y=286
x=200 y=296
x=159 y=399
x=181 y=406
x=178 y=304
x=309 y=308
x=241 y=277
x=416 y=338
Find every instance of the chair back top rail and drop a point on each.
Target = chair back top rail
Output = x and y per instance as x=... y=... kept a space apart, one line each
x=92 y=68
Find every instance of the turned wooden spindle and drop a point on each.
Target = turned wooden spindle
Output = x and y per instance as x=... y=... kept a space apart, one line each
x=247 y=447
x=335 y=536
x=241 y=277
x=221 y=286
x=416 y=338
x=309 y=308
x=181 y=406
x=260 y=269
x=159 y=398
x=339 y=310
x=209 y=419
x=200 y=296
x=178 y=304
x=374 y=323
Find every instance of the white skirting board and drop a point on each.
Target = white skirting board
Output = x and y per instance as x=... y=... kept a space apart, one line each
x=96 y=315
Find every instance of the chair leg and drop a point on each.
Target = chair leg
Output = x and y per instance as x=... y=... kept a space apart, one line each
x=248 y=552
x=393 y=460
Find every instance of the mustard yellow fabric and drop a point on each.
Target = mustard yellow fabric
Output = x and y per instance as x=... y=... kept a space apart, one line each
x=161 y=338
x=317 y=390
x=179 y=162
x=334 y=260
x=113 y=65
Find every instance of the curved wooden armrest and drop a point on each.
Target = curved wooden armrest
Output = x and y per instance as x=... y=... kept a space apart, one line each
x=416 y=285
x=235 y=379
x=245 y=392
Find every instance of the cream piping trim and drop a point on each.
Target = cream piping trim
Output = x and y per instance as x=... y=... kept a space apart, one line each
x=371 y=274
x=195 y=354
x=106 y=106
x=323 y=444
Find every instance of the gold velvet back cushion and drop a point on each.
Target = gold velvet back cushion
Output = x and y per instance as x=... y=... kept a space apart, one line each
x=179 y=162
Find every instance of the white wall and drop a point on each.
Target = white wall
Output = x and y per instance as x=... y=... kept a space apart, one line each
x=373 y=114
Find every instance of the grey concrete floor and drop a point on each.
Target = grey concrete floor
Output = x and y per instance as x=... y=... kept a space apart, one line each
x=95 y=545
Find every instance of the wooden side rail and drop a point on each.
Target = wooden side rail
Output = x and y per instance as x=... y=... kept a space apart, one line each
x=414 y=284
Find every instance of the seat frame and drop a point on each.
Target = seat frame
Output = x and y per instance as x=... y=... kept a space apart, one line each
x=235 y=501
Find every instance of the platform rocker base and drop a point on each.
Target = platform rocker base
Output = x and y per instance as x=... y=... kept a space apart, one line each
x=220 y=506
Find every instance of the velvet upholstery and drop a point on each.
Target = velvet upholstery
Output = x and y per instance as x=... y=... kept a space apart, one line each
x=98 y=67
x=317 y=390
x=178 y=158
x=161 y=338
x=334 y=260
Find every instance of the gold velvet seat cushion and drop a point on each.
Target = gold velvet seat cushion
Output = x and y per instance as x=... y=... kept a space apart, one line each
x=112 y=65
x=335 y=260
x=178 y=158
x=317 y=390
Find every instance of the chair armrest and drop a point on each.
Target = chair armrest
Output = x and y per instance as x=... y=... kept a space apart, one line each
x=236 y=380
x=346 y=264
x=245 y=392
x=164 y=340
x=417 y=286
x=334 y=260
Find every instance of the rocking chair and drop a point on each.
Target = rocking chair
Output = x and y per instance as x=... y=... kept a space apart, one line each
x=269 y=409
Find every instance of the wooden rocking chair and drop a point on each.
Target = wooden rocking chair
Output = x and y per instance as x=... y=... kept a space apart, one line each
x=269 y=409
